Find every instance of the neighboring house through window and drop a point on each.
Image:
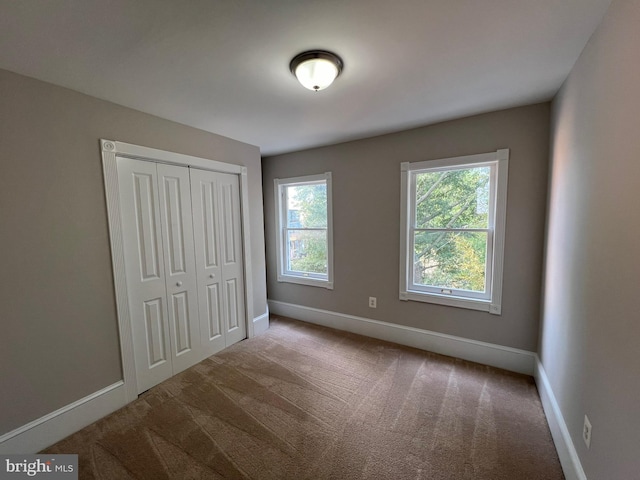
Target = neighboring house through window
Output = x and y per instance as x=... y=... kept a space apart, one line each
x=452 y=230
x=304 y=230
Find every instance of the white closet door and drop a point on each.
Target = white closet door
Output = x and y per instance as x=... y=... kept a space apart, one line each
x=217 y=238
x=232 y=258
x=144 y=265
x=179 y=265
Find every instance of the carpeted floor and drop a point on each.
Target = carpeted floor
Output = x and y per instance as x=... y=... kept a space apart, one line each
x=307 y=402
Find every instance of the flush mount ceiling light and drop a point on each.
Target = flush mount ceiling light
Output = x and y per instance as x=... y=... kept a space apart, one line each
x=316 y=69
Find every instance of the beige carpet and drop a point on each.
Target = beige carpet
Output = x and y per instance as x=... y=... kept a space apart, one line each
x=306 y=402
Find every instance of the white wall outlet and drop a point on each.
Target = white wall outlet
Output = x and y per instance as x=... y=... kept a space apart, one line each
x=586 y=432
x=373 y=302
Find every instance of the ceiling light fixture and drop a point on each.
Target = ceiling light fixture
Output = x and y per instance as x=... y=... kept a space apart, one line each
x=316 y=69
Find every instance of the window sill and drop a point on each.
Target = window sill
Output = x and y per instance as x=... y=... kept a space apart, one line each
x=309 y=281
x=460 y=302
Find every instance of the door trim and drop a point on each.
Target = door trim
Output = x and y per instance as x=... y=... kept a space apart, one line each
x=110 y=149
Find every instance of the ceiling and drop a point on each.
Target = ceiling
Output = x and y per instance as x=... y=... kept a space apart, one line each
x=222 y=65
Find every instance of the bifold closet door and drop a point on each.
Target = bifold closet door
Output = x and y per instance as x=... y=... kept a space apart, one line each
x=219 y=258
x=155 y=204
x=179 y=265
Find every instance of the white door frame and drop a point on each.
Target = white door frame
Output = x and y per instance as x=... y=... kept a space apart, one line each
x=111 y=149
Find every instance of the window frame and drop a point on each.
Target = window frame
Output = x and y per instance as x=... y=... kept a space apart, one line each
x=292 y=276
x=491 y=300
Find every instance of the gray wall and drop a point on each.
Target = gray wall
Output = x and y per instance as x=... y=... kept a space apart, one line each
x=59 y=339
x=366 y=200
x=590 y=336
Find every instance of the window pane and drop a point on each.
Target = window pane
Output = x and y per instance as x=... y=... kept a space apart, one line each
x=307 y=206
x=307 y=251
x=450 y=260
x=453 y=199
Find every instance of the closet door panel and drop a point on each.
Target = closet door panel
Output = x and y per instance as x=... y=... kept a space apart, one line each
x=144 y=265
x=214 y=312
x=154 y=331
x=180 y=265
x=232 y=267
x=231 y=289
x=204 y=193
x=183 y=338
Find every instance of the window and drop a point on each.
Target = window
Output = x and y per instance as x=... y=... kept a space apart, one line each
x=452 y=230
x=305 y=239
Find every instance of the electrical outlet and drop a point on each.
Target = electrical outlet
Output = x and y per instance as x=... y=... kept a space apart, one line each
x=586 y=432
x=373 y=302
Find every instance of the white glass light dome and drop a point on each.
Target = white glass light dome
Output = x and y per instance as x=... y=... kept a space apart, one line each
x=317 y=69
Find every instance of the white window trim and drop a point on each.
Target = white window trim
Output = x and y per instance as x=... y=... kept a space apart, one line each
x=492 y=305
x=283 y=276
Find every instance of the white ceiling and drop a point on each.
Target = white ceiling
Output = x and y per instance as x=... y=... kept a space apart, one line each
x=222 y=65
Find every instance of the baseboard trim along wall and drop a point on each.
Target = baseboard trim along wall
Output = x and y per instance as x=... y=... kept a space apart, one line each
x=564 y=445
x=53 y=427
x=47 y=430
x=512 y=359
x=261 y=323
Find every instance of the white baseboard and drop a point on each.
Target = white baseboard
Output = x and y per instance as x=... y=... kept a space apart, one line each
x=564 y=445
x=512 y=359
x=261 y=323
x=45 y=431
x=53 y=427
